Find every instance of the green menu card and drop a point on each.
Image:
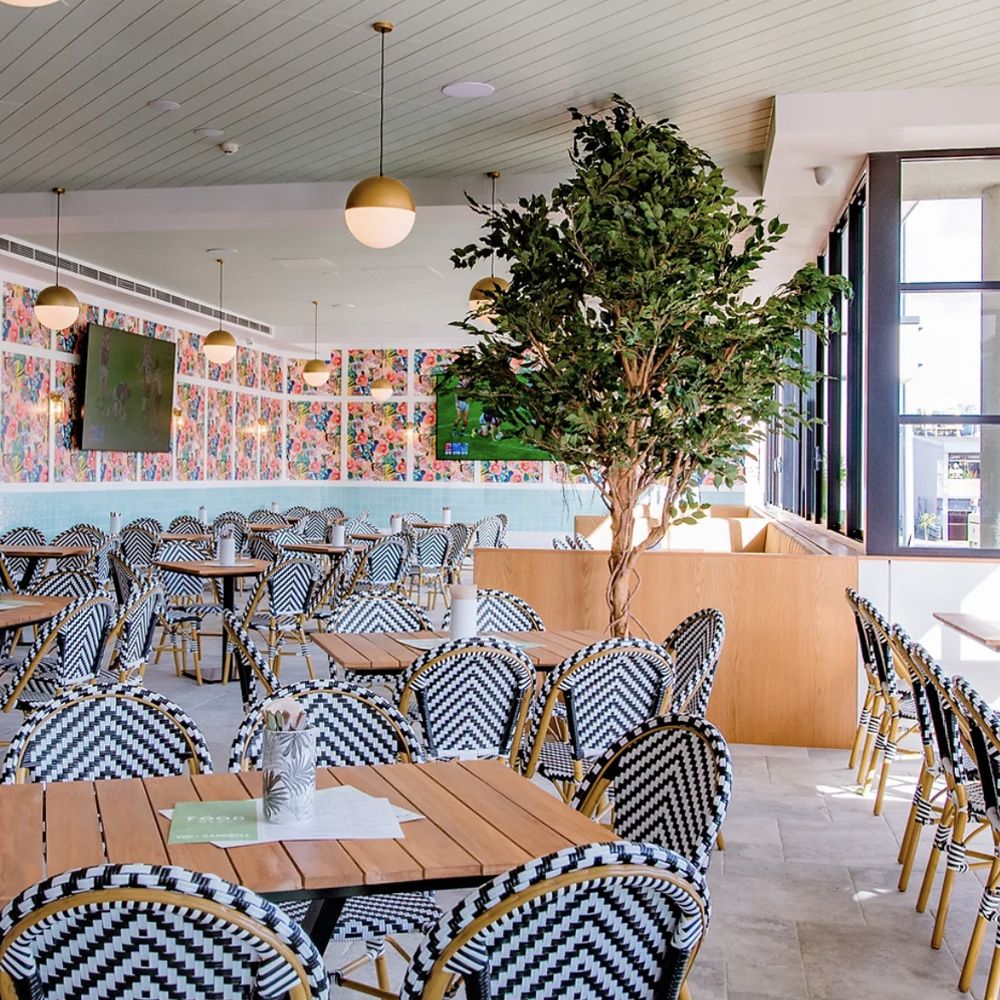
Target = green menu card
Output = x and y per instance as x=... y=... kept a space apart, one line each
x=202 y=822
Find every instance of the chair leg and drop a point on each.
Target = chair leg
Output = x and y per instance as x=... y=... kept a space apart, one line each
x=720 y=843
x=990 y=901
x=888 y=756
x=873 y=728
x=956 y=846
x=382 y=972
x=685 y=993
x=878 y=749
x=914 y=827
x=859 y=736
x=942 y=836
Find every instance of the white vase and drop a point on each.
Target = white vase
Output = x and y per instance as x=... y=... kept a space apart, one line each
x=337 y=534
x=463 y=611
x=116 y=524
x=289 y=769
x=227 y=551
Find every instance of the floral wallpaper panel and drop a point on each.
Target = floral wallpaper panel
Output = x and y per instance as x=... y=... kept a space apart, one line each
x=312 y=444
x=159 y=331
x=222 y=373
x=118 y=466
x=247 y=367
x=426 y=468
x=272 y=374
x=511 y=472
x=121 y=321
x=427 y=365
x=247 y=436
x=70 y=339
x=364 y=366
x=19 y=323
x=219 y=461
x=70 y=465
x=24 y=423
x=376 y=441
x=295 y=384
x=157 y=467
x=190 y=360
x=189 y=432
x=271 y=458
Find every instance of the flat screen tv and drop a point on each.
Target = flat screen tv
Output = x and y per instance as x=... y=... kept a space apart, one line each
x=128 y=391
x=466 y=432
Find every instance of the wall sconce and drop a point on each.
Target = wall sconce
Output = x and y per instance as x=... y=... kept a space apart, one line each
x=179 y=416
x=57 y=405
x=261 y=427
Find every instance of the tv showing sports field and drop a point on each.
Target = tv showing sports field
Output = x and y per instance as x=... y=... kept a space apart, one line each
x=467 y=432
x=128 y=391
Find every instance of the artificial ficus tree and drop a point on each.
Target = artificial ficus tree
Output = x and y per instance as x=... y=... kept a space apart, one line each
x=628 y=344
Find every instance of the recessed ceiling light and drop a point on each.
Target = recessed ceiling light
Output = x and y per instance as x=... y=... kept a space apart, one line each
x=218 y=250
x=468 y=88
x=341 y=305
x=209 y=133
x=161 y=104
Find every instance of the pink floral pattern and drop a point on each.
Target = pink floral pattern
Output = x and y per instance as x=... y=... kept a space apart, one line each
x=272 y=372
x=189 y=433
x=157 y=467
x=68 y=340
x=118 y=466
x=365 y=366
x=24 y=420
x=312 y=445
x=70 y=465
x=222 y=373
x=247 y=436
x=247 y=367
x=426 y=468
x=219 y=463
x=295 y=384
x=427 y=365
x=121 y=321
x=159 y=331
x=512 y=472
x=376 y=441
x=272 y=414
x=190 y=360
x=559 y=473
x=19 y=323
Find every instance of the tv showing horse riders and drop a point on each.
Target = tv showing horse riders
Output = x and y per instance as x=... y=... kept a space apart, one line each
x=128 y=391
x=466 y=431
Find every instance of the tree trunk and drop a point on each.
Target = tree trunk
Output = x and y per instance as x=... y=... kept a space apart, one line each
x=623 y=496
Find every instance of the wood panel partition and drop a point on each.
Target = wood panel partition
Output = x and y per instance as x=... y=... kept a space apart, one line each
x=789 y=671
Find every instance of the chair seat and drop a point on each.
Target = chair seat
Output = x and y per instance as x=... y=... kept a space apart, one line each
x=907 y=707
x=556 y=761
x=266 y=621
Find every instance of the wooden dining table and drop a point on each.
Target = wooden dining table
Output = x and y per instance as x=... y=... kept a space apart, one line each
x=984 y=630
x=479 y=819
x=35 y=553
x=387 y=652
x=18 y=610
x=321 y=548
x=269 y=527
x=185 y=536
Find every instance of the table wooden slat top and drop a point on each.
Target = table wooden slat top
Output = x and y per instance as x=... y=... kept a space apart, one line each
x=480 y=819
x=30 y=609
x=378 y=652
x=983 y=630
x=369 y=536
x=270 y=527
x=181 y=536
x=321 y=548
x=211 y=567
x=46 y=551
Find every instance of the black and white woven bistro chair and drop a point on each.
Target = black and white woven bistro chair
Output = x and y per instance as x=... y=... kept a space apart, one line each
x=280 y=605
x=227 y=524
x=871 y=708
x=257 y=679
x=338 y=577
x=126 y=576
x=500 y=611
x=429 y=567
x=137 y=930
x=260 y=546
x=264 y=517
x=67 y=583
x=460 y=538
x=360 y=525
x=411 y=517
x=470 y=698
x=313 y=526
x=18 y=565
x=78 y=534
x=334 y=515
x=670 y=779
x=696 y=646
x=601 y=922
x=131 y=636
x=139 y=545
x=582 y=542
x=984 y=736
x=898 y=711
x=67 y=652
x=186 y=524
x=560 y=544
x=605 y=689
x=106 y=731
x=354 y=727
x=296 y=513
x=490 y=532
x=147 y=523
x=386 y=564
x=964 y=816
x=99 y=560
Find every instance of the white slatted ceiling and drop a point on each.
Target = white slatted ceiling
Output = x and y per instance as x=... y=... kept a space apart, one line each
x=295 y=82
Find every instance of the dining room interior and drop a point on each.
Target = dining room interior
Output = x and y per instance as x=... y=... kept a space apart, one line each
x=499 y=500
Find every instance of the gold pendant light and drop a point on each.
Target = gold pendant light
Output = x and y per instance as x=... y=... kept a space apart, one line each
x=315 y=372
x=56 y=307
x=380 y=212
x=220 y=345
x=481 y=303
x=381 y=388
x=30 y=3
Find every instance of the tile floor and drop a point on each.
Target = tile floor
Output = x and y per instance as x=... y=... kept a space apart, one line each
x=805 y=903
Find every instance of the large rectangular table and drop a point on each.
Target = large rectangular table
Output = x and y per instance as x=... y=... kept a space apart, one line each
x=35 y=553
x=481 y=819
x=983 y=630
x=385 y=652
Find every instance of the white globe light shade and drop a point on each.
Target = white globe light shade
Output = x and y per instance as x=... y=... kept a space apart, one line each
x=219 y=347
x=315 y=373
x=31 y=3
x=480 y=302
x=381 y=389
x=56 y=307
x=380 y=212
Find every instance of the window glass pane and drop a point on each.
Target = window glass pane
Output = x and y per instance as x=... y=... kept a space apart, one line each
x=949 y=355
x=949 y=485
x=947 y=205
